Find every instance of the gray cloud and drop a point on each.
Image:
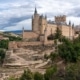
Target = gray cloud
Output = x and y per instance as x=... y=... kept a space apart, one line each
x=75 y=12
x=13 y=21
x=18 y=12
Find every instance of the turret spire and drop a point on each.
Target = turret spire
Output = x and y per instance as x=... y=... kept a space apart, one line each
x=69 y=23
x=73 y=25
x=45 y=17
x=23 y=28
x=35 y=10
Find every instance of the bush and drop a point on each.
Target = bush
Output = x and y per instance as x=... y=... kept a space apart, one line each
x=53 y=56
x=58 y=33
x=50 y=72
x=12 y=38
x=38 y=76
x=72 y=72
x=4 y=44
x=69 y=51
x=27 y=75
x=2 y=56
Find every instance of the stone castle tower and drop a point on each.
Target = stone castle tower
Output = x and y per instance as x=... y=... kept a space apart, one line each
x=35 y=22
x=38 y=22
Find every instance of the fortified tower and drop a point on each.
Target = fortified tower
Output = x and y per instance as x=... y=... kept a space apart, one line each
x=42 y=23
x=35 y=22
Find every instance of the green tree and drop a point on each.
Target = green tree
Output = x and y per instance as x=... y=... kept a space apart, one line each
x=27 y=75
x=2 y=56
x=53 y=56
x=38 y=76
x=12 y=78
x=50 y=72
x=4 y=44
x=13 y=38
x=69 y=51
x=72 y=71
x=58 y=33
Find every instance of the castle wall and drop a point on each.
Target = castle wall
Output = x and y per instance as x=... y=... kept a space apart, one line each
x=67 y=31
x=15 y=45
x=29 y=35
x=22 y=44
x=51 y=29
x=49 y=42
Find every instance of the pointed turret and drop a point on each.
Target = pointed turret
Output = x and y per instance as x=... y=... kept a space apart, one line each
x=45 y=35
x=23 y=32
x=45 y=17
x=22 y=28
x=73 y=25
x=41 y=16
x=35 y=12
x=35 y=21
x=69 y=23
x=73 y=31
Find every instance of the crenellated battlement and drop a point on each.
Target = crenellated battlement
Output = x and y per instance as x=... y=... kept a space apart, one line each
x=60 y=18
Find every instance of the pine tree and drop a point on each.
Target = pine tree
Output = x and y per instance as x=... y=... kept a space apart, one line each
x=58 y=33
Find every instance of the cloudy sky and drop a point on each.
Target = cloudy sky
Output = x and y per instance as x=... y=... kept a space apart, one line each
x=15 y=14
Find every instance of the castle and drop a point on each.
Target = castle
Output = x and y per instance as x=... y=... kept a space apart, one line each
x=42 y=29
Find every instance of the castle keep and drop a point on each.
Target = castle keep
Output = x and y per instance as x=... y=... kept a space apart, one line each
x=42 y=28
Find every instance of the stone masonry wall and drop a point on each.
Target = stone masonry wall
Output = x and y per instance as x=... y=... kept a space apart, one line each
x=22 y=44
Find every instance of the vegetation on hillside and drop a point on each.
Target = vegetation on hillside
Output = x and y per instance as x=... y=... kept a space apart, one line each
x=4 y=44
x=69 y=52
x=2 y=56
x=13 y=38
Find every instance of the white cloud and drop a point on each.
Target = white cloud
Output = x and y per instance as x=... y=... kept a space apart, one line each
x=17 y=13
